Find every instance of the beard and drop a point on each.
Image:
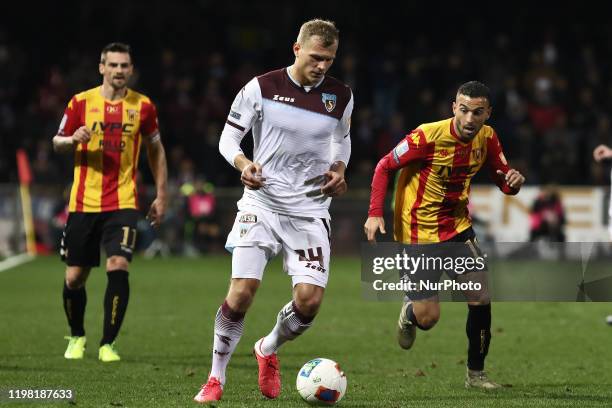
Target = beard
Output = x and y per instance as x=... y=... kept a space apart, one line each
x=118 y=83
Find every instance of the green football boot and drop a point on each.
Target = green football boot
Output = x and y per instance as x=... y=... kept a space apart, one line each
x=76 y=347
x=108 y=353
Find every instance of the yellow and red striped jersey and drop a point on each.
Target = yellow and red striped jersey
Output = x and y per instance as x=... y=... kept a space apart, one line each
x=432 y=190
x=105 y=167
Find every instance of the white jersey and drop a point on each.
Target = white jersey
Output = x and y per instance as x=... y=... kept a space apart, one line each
x=297 y=134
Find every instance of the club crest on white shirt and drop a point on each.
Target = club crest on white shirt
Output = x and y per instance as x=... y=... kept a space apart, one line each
x=329 y=101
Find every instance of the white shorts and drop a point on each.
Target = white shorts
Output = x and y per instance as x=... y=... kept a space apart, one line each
x=304 y=242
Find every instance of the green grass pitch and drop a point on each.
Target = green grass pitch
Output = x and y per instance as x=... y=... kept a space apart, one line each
x=553 y=354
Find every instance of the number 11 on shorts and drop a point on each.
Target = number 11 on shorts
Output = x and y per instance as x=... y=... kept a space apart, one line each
x=125 y=242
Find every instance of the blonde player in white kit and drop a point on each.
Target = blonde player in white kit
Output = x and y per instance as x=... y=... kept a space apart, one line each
x=300 y=121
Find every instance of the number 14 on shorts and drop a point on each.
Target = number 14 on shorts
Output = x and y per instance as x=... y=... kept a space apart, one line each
x=314 y=255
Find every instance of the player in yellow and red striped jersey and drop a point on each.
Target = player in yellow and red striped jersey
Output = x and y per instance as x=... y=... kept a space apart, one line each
x=104 y=128
x=437 y=162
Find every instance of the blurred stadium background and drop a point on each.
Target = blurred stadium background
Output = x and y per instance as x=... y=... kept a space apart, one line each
x=550 y=71
x=548 y=68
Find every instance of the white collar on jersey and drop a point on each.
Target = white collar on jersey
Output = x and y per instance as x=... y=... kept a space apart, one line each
x=306 y=88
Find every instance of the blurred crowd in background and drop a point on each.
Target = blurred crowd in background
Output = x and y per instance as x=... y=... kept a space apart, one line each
x=549 y=72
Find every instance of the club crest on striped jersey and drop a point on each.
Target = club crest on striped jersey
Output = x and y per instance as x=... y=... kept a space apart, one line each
x=131 y=114
x=329 y=101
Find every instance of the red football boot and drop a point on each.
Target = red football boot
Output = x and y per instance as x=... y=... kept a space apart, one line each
x=210 y=392
x=269 y=372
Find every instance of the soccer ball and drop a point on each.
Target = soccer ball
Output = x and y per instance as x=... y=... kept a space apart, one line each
x=321 y=382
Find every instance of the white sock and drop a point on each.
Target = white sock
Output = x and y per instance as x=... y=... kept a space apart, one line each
x=227 y=336
x=288 y=326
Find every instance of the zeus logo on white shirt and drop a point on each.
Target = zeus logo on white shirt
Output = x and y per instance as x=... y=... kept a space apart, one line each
x=283 y=98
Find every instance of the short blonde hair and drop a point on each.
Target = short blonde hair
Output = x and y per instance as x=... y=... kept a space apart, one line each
x=323 y=28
